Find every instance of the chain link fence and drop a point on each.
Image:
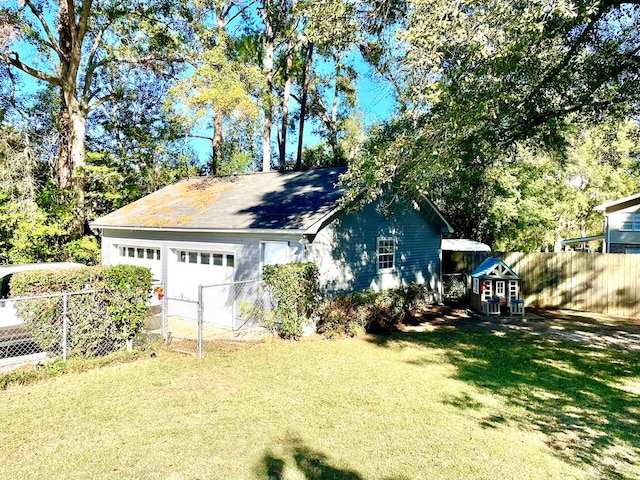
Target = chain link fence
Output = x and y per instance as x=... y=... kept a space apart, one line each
x=39 y=328
x=229 y=312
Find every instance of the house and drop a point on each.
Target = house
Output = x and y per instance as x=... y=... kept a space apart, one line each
x=494 y=284
x=205 y=231
x=621 y=225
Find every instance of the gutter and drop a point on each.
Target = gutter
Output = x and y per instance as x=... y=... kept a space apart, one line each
x=261 y=231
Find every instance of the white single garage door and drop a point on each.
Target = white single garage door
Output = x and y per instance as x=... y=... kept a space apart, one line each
x=148 y=257
x=187 y=269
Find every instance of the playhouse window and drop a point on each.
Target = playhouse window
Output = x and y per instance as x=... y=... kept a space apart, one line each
x=513 y=289
x=476 y=285
x=487 y=292
x=386 y=253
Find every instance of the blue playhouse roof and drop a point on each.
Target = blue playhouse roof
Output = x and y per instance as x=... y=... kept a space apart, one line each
x=488 y=267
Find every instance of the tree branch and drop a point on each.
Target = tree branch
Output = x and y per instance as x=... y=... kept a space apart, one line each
x=45 y=26
x=91 y=66
x=13 y=59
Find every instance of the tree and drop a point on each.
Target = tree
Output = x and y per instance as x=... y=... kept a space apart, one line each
x=482 y=82
x=80 y=45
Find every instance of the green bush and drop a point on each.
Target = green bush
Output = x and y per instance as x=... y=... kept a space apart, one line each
x=295 y=291
x=84 y=250
x=99 y=322
x=348 y=315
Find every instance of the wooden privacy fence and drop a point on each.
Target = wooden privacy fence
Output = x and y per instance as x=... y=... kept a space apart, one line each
x=591 y=282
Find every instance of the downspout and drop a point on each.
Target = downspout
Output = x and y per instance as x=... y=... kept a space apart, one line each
x=607 y=240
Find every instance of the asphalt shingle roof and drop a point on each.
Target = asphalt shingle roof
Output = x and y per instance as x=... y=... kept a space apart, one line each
x=274 y=200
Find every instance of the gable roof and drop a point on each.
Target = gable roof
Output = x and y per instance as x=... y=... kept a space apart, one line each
x=273 y=200
x=495 y=268
x=294 y=202
x=619 y=204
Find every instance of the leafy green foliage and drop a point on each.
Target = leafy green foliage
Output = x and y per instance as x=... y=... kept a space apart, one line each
x=353 y=313
x=100 y=322
x=295 y=291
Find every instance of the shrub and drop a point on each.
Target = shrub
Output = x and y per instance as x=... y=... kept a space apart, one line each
x=99 y=322
x=295 y=292
x=84 y=250
x=369 y=311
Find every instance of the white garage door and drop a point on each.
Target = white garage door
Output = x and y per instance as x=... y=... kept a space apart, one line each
x=190 y=268
x=148 y=257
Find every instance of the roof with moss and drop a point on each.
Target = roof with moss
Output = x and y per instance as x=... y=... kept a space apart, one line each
x=273 y=200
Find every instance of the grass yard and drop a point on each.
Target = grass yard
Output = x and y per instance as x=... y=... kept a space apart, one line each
x=453 y=401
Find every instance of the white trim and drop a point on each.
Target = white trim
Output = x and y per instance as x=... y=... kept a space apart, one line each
x=262 y=231
x=393 y=254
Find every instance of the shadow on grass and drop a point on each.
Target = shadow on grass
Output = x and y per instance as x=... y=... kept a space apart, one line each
x=584 y=397
x=314 y=465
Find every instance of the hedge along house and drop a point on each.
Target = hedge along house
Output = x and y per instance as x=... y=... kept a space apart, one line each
x=206 y=231
x=494 y=284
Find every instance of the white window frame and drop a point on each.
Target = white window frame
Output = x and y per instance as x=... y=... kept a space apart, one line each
x=513 y=289
x=501 y=288
x=487 y=293
x=379 y=254
x=134 y=251
x=476 y=285
x=183 y=256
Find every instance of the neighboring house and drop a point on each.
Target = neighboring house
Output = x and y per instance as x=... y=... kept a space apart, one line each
x=205 y=231
x=621 y=225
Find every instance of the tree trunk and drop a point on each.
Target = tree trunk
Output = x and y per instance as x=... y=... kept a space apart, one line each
x=216 y=157
x=306 y=74
x=73 y=120
x=268 y=73
x=286 y=94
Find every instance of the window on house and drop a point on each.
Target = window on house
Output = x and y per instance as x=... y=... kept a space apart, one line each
x=205 y=258
x=217 y=259
x=500 y=289
x=193 y=257
x=131 y=252
x=631 y=223
x=386 y=253
x=140 y=252
x=231 y=261
x=182 y=256
x=476 y=285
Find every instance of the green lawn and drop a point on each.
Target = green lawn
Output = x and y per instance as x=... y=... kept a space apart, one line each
x=456 y=402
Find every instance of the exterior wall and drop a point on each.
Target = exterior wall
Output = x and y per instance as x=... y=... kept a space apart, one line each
x=246 y=248
x=346 y=250
x=617 y=239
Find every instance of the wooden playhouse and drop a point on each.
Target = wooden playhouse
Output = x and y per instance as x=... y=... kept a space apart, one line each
x=496 y=287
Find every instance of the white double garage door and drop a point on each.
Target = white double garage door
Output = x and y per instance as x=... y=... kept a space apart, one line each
x=187 y=269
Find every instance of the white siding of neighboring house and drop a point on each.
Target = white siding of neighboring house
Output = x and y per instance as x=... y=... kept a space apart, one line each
x=617 y=235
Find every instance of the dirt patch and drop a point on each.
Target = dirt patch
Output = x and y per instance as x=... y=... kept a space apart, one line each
x=567 y=325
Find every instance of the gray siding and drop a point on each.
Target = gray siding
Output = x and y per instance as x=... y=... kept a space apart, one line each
x=345 y=250
x=618 y=240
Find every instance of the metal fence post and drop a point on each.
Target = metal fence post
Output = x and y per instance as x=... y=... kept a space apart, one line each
x=165 y=316
x=65 y=327
x=200 y=326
